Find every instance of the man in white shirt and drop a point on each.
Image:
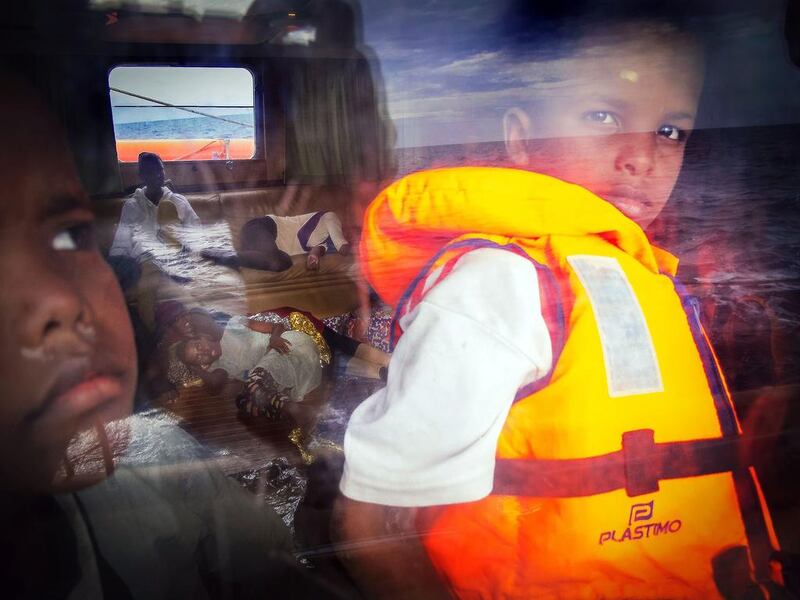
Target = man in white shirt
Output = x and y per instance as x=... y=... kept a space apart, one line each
x=138 y=223
x=137 y=242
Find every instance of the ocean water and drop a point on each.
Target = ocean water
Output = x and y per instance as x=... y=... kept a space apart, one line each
x=188 y=128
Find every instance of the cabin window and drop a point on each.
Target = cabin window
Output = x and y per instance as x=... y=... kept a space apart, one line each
x=183 y=113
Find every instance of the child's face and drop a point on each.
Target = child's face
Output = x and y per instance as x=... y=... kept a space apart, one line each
x=67 y=360
x=201 y=351
x=619 y=127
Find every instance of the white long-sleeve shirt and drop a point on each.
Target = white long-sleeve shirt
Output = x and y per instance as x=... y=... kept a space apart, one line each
x=138 y=222
x=328 y=228
x=429 y=437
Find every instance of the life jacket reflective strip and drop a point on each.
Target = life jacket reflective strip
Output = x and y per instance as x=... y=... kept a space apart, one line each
x=575 y=547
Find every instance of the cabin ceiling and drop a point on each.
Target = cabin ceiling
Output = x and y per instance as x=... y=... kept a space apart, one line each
x=183 y=22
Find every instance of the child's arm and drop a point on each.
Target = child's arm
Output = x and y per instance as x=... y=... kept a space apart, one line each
x=380 y=546
x=264 y=327
x=124 y=243
x=275 y=331
x=214 y=380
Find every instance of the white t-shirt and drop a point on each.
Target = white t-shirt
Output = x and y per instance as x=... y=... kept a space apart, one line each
x=243 y=349
x=329 y=227
x=430 y=436
x=138 y=223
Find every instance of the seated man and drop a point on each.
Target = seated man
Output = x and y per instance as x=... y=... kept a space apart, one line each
x=140 y=240
x=269 y=242
x=96 y=503
x=140 y=214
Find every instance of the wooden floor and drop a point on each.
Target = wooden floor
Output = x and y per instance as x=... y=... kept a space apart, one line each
x=242 y=444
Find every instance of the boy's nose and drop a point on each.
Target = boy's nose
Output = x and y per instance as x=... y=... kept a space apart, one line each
x=636 y=155
x=53 y=315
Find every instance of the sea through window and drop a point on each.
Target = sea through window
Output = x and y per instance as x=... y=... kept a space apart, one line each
x=183 y=113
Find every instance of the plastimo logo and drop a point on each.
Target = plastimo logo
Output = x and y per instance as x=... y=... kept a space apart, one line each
x=640 y=526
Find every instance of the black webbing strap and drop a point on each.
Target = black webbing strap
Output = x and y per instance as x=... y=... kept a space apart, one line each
x=637 y=467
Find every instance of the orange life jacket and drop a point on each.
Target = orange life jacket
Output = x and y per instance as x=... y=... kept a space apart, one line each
x=622 y=474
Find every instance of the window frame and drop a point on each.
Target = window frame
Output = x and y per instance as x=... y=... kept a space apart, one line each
x=268 y=162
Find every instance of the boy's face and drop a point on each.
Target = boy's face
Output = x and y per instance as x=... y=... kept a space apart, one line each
x=201 y=351
x=67 y=360
x=620 y=124
x=152 y=173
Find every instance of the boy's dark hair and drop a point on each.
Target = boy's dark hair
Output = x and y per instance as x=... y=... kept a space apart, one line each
x=148 y=159
x=552 y=26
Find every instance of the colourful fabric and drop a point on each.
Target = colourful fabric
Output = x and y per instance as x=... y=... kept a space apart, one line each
x=299 y=322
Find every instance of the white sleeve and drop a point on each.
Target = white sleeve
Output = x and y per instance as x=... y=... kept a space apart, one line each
x=330 y=226
x=430 y=436
x=186 y=213
x=123 y=244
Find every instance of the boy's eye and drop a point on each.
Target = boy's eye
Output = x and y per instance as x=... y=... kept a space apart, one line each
x=76 y=237
x=601 y=117
x=671 y=132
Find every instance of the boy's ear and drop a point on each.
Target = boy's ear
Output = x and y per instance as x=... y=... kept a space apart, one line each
x=516 y=132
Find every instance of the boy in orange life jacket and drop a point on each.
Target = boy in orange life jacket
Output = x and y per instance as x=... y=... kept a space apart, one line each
x=421 y=454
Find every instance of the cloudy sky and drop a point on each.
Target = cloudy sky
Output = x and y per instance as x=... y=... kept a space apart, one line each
x=447 y=82
x=444 y=81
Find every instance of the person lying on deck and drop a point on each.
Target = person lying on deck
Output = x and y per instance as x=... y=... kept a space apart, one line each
x=138 y=250
x=148 y=207
x=276 y=361
x=269 y=242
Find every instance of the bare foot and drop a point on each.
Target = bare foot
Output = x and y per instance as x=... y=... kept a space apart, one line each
x=312 y=262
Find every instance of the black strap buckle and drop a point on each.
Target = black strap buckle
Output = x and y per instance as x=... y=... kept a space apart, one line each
x=639 y=455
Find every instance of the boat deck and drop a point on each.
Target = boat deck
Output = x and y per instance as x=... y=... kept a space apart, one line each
x=240 y=444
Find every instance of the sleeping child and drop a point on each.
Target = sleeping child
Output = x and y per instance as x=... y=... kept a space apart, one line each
x=269 y=242
x=278 y=362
